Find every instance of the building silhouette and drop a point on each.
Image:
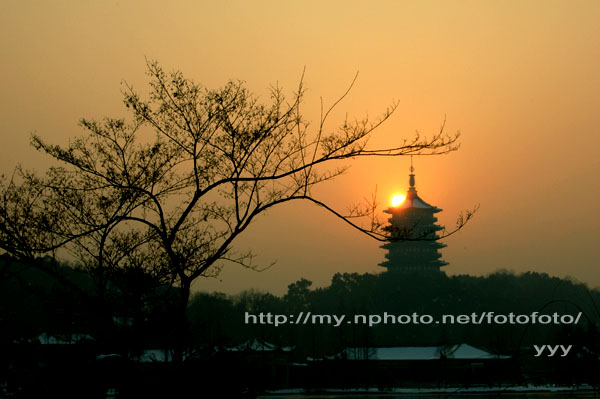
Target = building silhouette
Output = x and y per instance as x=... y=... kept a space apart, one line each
x=413 y=245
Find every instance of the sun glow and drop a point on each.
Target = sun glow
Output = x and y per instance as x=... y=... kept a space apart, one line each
x=398 y=199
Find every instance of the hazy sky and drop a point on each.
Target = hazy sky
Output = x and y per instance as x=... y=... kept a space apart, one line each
x=519 y=79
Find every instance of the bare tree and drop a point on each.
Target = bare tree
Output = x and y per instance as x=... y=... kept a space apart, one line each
x=172 y=188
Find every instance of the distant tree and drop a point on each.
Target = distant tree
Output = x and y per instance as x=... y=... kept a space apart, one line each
x=298 y=295
x=171 y=189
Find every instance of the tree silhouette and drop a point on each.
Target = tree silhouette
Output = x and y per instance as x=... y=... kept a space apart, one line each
x=171 y=189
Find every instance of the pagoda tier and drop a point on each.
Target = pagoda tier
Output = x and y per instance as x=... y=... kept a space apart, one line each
x=412 y=245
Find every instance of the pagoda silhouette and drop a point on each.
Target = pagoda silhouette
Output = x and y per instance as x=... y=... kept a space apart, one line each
x=413 y=245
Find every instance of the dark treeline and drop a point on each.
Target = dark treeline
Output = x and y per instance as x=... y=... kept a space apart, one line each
x=62 y=301
x=33 y=302
x=366 y=294
x=60 y=333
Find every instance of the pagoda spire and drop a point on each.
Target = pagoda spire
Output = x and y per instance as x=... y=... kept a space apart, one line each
x=411 y=179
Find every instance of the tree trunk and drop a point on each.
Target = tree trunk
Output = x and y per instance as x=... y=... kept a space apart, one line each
x=181 y=322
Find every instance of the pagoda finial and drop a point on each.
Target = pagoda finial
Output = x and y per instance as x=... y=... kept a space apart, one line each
x=411 y=180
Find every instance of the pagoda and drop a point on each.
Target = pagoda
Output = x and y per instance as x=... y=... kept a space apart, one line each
x=413 y=245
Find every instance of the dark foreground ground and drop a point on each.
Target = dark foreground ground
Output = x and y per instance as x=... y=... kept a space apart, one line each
x=75 y=371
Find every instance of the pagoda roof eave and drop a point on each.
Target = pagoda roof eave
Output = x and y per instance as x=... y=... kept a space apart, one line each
x=404 y=206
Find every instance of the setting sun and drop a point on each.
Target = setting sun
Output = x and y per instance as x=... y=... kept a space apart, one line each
x=398 y=199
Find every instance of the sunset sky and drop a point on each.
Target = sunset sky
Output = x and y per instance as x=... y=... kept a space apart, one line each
x=519 y=79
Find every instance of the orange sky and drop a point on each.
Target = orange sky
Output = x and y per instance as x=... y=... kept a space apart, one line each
x=519 y=79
